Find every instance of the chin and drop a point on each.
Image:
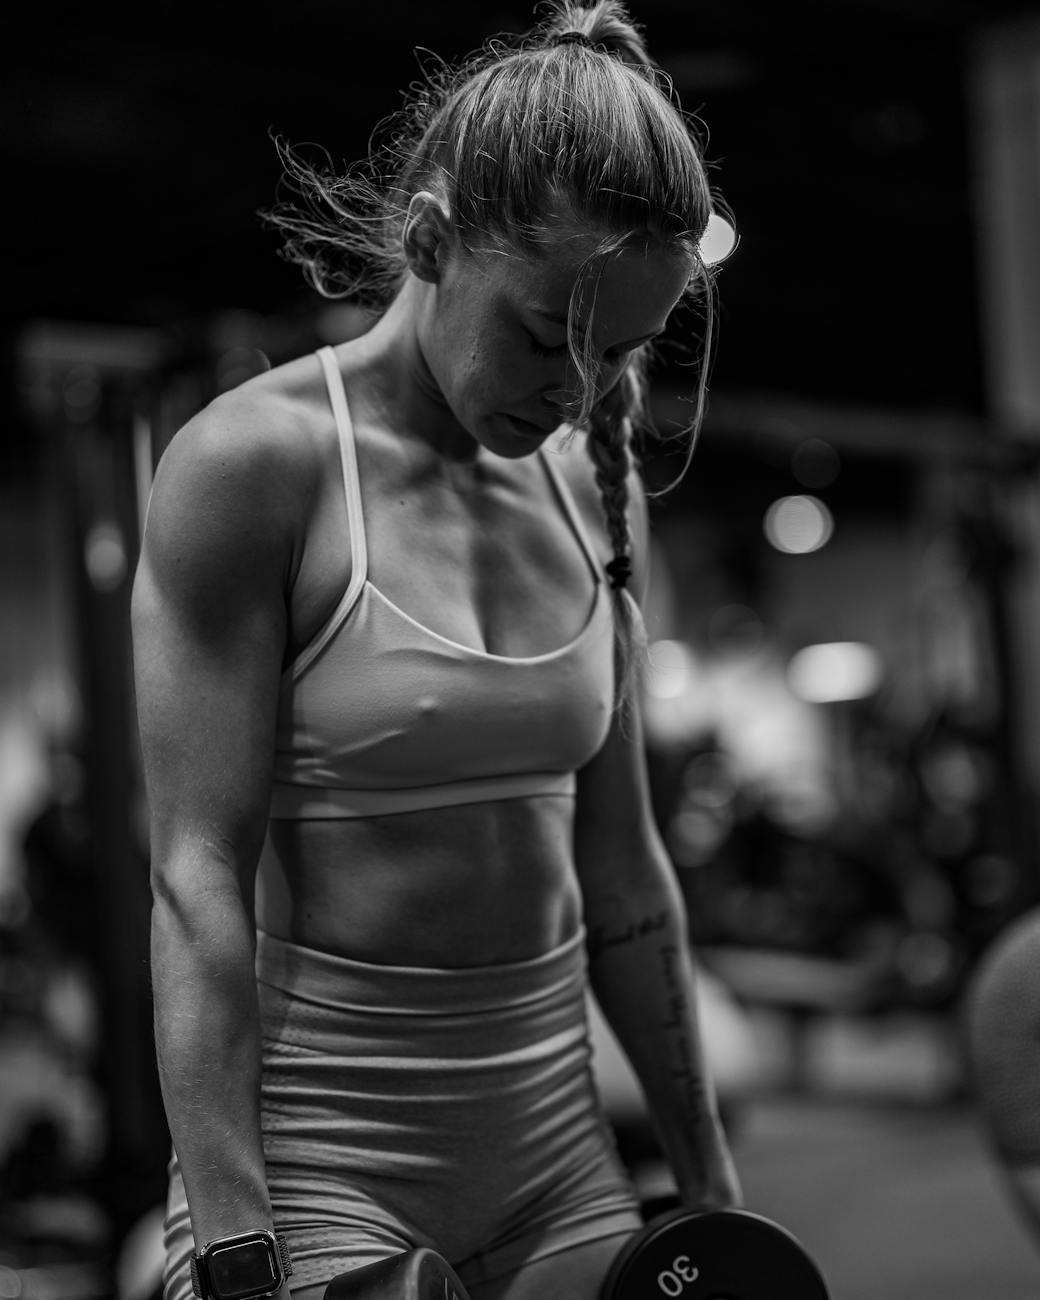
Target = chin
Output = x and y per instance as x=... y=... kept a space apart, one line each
x=521 y=436
x=514 y=453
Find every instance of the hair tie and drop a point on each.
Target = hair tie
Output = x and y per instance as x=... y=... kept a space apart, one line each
x=571 y=38
x=620 y=570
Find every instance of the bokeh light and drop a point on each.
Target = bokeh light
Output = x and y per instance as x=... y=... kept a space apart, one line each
x=835 y=671
x=797 y=525
x=669 y=669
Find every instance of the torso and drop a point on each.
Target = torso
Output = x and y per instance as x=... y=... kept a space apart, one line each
x=481 y=554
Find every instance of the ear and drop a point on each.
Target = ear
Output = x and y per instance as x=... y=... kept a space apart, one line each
x=427 y=236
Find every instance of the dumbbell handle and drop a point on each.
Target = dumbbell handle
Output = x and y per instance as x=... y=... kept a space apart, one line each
x=414 y=1275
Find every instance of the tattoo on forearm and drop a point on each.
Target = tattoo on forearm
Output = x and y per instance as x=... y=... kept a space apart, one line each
x=600 y=938
x=680 y=1017
x=686 y=1067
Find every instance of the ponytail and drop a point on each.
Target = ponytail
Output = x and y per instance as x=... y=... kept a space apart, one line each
x=605 y=25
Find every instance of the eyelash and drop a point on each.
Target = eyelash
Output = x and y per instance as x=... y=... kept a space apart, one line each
x=539 y=349
x=542 y=351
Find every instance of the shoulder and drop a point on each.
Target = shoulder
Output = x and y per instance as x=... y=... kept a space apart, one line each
x=261 y=432
x=235 y=487
x=247 y=462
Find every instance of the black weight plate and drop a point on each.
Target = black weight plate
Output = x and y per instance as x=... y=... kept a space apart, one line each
x=720 y=1255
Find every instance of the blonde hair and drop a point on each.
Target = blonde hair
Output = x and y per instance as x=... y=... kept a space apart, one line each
x=571 y=122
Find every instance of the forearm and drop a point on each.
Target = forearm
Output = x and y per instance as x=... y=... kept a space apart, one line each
x=644 y=978
x=208 y=1047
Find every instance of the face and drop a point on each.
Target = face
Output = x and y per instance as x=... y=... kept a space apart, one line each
x=493 y=332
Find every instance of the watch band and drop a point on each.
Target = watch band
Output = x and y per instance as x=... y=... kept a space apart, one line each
x=283 y=1251
x=199 y=1281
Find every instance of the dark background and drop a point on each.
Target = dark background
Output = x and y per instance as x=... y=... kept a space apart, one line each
x=138 y=154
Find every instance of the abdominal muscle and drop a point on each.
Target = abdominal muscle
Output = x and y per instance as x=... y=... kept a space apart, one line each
x=474 y=885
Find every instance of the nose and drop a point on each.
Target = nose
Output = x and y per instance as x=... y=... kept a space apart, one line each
x=567 y=395
x=562 y=389
x=560 y=386
x=559 y=398
x=562 y=405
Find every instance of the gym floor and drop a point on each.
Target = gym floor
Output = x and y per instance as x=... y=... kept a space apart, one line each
x=896 y=1202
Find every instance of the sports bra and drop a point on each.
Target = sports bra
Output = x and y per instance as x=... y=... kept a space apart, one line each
x=379 y=714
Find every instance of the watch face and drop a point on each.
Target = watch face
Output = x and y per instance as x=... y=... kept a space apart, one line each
x=246 y=1268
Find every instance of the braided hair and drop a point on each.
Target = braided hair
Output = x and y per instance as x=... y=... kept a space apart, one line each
x=573 y=116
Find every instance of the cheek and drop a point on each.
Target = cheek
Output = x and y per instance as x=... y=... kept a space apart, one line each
x=482 y=363
x=503 y=369
x=461 y=355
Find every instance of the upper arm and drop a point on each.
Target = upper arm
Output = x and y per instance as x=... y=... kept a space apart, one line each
x=209 y=627
x=616 y=837
x=618 y=848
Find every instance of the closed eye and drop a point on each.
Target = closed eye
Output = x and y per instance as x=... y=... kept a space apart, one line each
x=543 y=350
x=620 y=353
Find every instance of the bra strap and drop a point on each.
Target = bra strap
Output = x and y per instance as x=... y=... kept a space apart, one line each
x=570 y=508
x=355 y=515
x=348 y=459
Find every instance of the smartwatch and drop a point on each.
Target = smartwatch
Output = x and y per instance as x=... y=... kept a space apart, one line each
x=246 y=1266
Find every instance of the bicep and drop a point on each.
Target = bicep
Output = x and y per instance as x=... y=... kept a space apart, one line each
x=209 y=631
x=618 y=849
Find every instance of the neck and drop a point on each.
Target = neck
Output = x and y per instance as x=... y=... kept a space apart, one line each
x=402 y=385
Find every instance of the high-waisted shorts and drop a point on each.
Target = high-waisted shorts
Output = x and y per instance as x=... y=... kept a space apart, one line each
x=408 y=1106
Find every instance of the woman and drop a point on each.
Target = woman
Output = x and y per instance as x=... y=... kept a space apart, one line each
x=391 y=746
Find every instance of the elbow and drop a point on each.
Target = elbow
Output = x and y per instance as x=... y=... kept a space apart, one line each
x=206 y=945
x=639 y=869
x=199 y=901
